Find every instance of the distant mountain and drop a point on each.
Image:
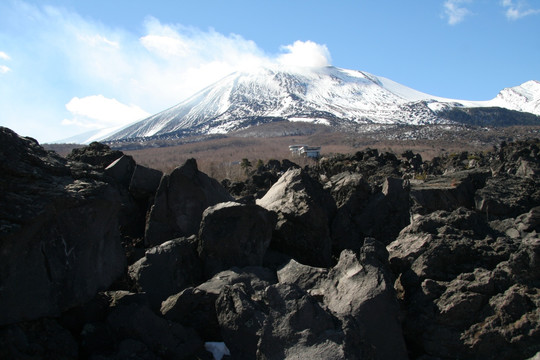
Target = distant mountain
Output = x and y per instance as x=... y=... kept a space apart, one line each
x=340 y=98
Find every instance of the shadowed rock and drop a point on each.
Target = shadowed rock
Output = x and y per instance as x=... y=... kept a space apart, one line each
x=234 y=234
x=180 y=201
x=304 y=211
x=59 y=238
x=167 y=269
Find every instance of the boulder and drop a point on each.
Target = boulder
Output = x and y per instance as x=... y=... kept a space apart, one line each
x=381 y=215
x=507 y=196
x=448 y=192
x=144 y=182
x=162 y=338
x=234 y=234
x=59 y=238
x=307 y=278
x=304 y=210
x=197 y=306
x=167 y=269
x=121 y=170
x=363 y=289
x=282 y=322
x=39 y=339
x=96 y=154
x=180 y=201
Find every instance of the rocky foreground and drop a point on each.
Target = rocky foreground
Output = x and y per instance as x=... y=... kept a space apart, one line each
x=364 y=256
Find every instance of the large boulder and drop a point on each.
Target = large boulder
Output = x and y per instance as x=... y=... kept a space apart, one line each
x=59 y=238
x=234 y=234
x=144 y=182
x=360 y=292
x=381 y=214
x=304 y=211
x=136 y=327
x=167 y=269
x=447 y=192
x=364 y=290
x=197 y=306
x=180 y=201
x=507 y=196
x=281 y=322
x=121 y=170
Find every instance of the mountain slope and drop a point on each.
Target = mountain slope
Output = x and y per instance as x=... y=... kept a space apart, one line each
x=331 y=96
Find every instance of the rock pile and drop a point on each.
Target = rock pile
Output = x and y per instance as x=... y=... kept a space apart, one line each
x=364 y=256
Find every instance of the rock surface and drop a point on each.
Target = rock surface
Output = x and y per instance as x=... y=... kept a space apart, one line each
x=233 y=234
x=167 y=269
x=180 y=202
x=372 y=256
x=304 y=211
x=59 y=238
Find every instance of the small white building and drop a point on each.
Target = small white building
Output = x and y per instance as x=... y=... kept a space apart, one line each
x=305 y=150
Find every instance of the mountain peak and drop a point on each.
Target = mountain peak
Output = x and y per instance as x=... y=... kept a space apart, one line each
x=337 y=97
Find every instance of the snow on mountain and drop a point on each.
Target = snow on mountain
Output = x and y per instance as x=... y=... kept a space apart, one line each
x=329 y=95
x=525 y=97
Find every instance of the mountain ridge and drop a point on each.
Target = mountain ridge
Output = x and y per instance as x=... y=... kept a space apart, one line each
x=339 y=98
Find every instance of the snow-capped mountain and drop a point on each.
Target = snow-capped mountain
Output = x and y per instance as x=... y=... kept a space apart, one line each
x=331 y=96
x=525 y=97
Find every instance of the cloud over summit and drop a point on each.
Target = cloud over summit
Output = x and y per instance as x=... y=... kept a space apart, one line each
x=110 y=68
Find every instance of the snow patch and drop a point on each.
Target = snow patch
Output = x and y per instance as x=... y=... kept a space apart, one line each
x=218 y=349
x=310 y=120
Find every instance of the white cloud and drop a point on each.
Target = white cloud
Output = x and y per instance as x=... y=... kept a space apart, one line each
x=60 y=54
x=515 y=11
x=455 y=11
x=97 y=111
x=4 y=69
x=305 y=54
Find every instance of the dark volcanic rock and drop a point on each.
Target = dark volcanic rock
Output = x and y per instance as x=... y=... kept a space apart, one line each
x=180 y=201
x=447 y=192
x=469 y=291
x=304 y=211
x=507 y=196
x=59 y=239
x=282 y=322
x=96 y=154
x=40 y=339
x=234 y=234
x=144 y=182
x=167 y=269
x=297 y=326
x=121 y=170
x=363 y=289
x=163 y=338
x=197 y=306
x=381 y=214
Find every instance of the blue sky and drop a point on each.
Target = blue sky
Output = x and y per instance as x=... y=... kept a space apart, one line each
x=67 y=67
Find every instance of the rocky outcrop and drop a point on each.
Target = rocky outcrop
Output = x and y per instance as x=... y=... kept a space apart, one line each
x=59 y=238
x=96 y=154
x=197 y=306
x=179 y=203
x=447 y=192
x=167 y=269
x=234 y=234
x=363 y=289
x=465 y=294
x=367 y=256
x=304 y=210
x=360 y=291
